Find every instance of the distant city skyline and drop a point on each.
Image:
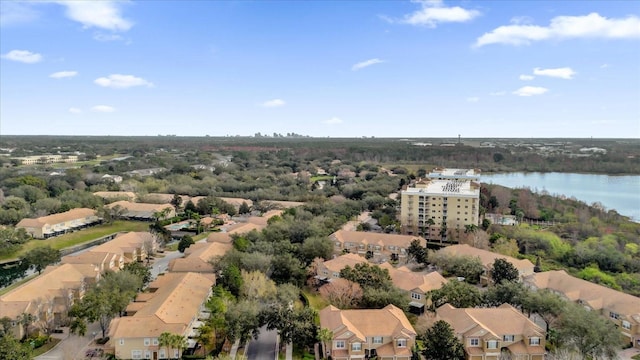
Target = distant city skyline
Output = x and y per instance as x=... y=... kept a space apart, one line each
x=405 y=69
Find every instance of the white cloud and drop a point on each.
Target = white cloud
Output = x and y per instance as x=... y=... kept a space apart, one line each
x=23 y=56
x=103 y=109
x=14 y=12
x=562 y=73
x=75 y=110
x=530 y=91
x=364 y=64
x=473 y=99
x=118 y=81
x=604 y=66
x=63 y=74
x=526 y=77
x=435 y=12
x=564 y=27
x=333 y=121
x=107 y=37
x=273 y=103
x=101 y=14
x=498 y=93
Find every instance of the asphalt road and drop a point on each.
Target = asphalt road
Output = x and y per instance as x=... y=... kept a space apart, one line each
x=264 y=348
x=159 y=265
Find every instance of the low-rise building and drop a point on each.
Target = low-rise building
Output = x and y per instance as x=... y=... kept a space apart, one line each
x=133 y=246
x=48 y=297
x=46 y=159
x=116 y=195
x=417 y=285
x=103 y=261
x=330 y=269
x=364 y=333
x=495 y=333
x=620 y=308
x=376 y=246
x=524 y=266
x=175 y=304
x=197 y=257
x=57 y=224
x=144 y=211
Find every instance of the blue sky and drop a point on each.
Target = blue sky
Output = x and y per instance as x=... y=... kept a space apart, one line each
x=324 y=68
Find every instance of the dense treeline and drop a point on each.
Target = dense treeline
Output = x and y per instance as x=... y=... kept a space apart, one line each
x=594 y=244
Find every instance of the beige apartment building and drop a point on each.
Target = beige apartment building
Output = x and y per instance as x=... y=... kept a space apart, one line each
x=57 y=224
x=495 y=333
x=144 y=211
x=365 y=333
x=46 y=159
x=417 y=285
x=174 y=303
x=378 y=247
x=330 y=269
x=197 y=257
x=48 y=297
x=454 y=174
x=620 y=308
x=432 y=204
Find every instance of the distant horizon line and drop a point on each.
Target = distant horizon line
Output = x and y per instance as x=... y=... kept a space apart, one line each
x=298 y=136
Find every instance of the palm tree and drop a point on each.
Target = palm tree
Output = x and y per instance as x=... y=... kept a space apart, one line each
x=26 y=320
x=324 y=335
x=179 y=342
x=206 y=336
x=165 y=340
x=471 y=229
x=430 y=223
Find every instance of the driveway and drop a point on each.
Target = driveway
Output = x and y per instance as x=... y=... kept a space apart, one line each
x=626 y=354
x=159 y=265
x=265 y=347
x=72 y=347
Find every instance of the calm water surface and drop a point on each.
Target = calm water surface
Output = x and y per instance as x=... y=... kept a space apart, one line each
x=621 y=193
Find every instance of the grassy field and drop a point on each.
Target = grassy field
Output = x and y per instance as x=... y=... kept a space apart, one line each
x=46 y=347
x=79 y=237
x=321 y=177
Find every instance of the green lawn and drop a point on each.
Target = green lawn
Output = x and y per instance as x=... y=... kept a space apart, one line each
x=79 y=237
x=320 y=177
x=46 y=347
x=16 y=284
x=636 y=357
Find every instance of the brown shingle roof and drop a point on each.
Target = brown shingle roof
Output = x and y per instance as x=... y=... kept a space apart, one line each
x=594 y=295
x=376 y=238
x=363 y=323
x=116 y=194
x=407 y=280
x=486 y=257
x=198 y=256
x=343 y=261
x=143 y=207
x=125 y=242
x=175 y=303
x=53 y=219
x=503 y=320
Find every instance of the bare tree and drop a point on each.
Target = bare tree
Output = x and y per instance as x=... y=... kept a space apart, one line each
x=342 y=293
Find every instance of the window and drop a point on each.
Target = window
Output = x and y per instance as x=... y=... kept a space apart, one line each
x=121 y=341
x=155 y=341
x=474 y=342
x=147 y=341
x=534 y=341
x=377 y=340
x=356 y=346
x=614 y=315
x=176 y=353
x=339 y=344
x=416 y=296
x=336 y=275
x=492 y=344
x=162 y=354
x=626 y=325
x=401 y=343
x=509 y=338
x=136 y=354
x=147 y=354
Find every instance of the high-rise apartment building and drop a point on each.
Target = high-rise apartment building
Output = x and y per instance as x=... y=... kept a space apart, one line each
x=449 y=199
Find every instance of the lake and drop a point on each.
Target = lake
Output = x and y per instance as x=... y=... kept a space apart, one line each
x=621 y=193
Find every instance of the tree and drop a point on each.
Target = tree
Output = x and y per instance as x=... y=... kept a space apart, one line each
x=166 y=340
x=502 y=270
x=316 y=247
x=513 y=293
x=141 y=271
x=324 y=335
x=441 y=343
x=367 y=276
x=244 y=208
x=231 y=279
x=242 y=320
x=40 y=257
x=588 y=333
x=295 y=326
x=185 y=243
x=457 y=293
x=417 y=252
x=12 y=349
x=176 y=201
x=25 y=320
x=256 y=286
x=546 y=304
x=342 y=293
